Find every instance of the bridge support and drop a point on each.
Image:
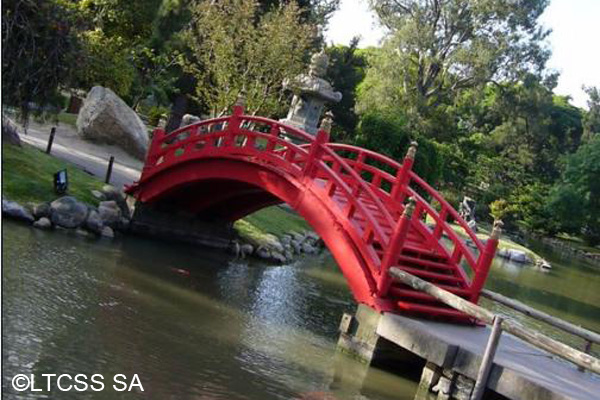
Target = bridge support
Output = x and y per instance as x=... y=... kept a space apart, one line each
x=408 y=349
x=181 y=227
x=359 y=340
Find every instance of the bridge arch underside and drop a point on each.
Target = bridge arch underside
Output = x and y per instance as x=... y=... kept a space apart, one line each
x=206 y=188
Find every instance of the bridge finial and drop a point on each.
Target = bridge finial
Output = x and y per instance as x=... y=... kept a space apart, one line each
x=410 y=207
x=412 y=150
x=497 y=229
x=241 y=99
x=327 y=122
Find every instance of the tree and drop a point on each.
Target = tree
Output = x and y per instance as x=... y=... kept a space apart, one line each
x=315 y=12
x=575 y=200
x=436 y=48
x=346 y=70
x=592 y=117
x=235 y=49
x=38 y=50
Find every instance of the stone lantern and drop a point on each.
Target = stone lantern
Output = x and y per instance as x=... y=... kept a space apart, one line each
x=311 y=92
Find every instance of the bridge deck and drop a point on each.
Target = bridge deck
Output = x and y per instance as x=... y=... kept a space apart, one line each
x=520 y=371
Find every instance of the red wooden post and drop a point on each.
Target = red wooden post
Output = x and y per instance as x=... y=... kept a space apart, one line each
x=314 y=154
x=395 y=247
x=485 y=261
x=402 y=176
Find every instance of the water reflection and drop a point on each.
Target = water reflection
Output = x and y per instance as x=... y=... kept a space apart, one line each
x=198 y=324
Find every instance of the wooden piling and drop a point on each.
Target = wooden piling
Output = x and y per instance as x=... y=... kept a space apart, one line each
x=488 y=359
x=109 y=169
x=50 y=140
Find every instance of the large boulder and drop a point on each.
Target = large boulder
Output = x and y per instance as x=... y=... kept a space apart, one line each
x=17 y=211
x=110 y=213
x=94 y=223
x=106 y=118
x=10 y=132
x=519 y=256
x=68 y=212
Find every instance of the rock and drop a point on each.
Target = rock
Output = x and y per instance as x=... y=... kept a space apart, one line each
x=289 y=255
x=312 y=235
x=503 y=253
x=106 y=118
x=10 y=132
x=82 y=232
x=112 y=193
x=99 y=195
x=543 y=264
x=234 y=248
x=296 y=246
x=272 y=242
x=93 y=223
x=297 y=236
x=246 y=249
x=308 y=249
x=15 y=210
x=110 y=213
x=519 y=256
x=68 y=212
x=107 y=232
x=278 y=257
x=189 y=119
x=285 y=239
x=43 y=223
x=41 y=210
x=263 y=252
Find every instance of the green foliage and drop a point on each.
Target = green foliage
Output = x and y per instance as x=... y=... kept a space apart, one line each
x=38 y=50
x=105 y=63
x=236 y=49
x=387 y=134
x=499 y=209
x=575 y=200
x=346 y=70
x=435 y=49
x=592 y=117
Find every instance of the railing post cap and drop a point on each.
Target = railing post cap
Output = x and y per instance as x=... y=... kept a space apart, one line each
x=412 y=150
x=327 y=122
x=241 y=99
x=410 y=207
x=497 y=229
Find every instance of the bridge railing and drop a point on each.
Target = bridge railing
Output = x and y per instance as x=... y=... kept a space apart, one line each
x=350 y=172
x=394 y=182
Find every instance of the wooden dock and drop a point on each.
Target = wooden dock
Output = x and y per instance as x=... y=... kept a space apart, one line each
x=519 y=371
x=471 y=362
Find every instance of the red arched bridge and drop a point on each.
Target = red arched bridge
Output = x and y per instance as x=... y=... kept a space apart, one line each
x=371 y=211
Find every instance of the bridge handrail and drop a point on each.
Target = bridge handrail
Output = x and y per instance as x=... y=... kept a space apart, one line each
x=364 y=187
x=460 y=249
x=157 y=149
x=289 y=129
x=537 y=339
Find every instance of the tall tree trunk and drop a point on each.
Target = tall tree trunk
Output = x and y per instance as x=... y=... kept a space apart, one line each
x=178 y=110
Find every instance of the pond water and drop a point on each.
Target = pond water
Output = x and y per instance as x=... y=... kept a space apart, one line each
x=194 y=323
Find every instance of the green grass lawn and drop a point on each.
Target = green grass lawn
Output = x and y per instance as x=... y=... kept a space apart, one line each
x=271 y=220
x=68 y=119
x=28 y=174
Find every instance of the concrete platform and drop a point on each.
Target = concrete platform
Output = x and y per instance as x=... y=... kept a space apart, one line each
x=520 y=370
